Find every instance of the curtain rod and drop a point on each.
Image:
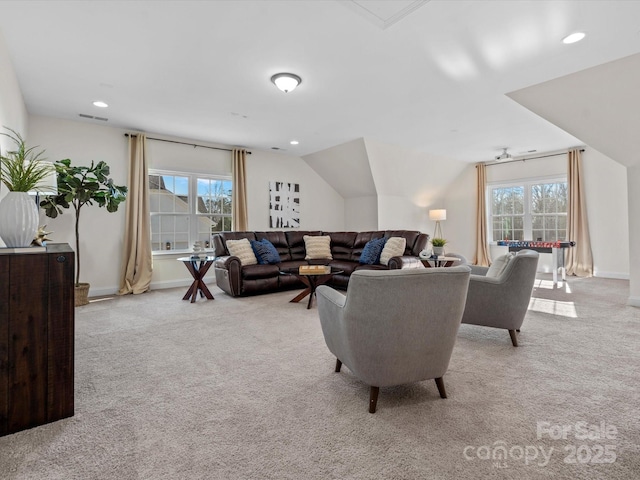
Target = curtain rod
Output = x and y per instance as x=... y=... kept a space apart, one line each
x=184 y=143
x=528 y=158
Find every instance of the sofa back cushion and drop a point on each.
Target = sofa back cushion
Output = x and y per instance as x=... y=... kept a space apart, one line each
x=279 y=240
x=342 y=244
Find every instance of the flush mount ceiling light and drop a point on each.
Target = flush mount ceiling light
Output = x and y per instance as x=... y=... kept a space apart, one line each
x=573 y=38
x=100 y=103
x=286 y=81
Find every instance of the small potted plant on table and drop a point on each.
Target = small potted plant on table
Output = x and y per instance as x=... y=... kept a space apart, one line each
x=438 y=246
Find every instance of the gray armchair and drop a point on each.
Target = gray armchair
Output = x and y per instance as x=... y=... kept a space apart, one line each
x=395 y=326
x=501 y=301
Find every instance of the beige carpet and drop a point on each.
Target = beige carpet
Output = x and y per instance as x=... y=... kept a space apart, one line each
x=245 y=389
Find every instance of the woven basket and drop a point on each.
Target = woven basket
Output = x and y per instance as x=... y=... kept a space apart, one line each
x=82 y=294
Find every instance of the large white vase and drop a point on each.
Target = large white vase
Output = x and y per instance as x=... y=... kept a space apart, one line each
x=18 y=219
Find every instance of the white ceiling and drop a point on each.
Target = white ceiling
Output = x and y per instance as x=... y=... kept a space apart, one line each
x=427 y=76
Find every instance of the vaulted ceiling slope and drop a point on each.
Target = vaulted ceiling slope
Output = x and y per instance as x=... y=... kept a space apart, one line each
x=432 y=79
x=600 y=105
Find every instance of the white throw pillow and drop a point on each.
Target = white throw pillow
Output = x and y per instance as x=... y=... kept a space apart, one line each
x=499 y=264
x=393 y=248
x=242 y=249
x=317 y=247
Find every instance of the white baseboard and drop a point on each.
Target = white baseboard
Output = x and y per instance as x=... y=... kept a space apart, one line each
x=105 y=291
x=634 y=301
x=616 y=275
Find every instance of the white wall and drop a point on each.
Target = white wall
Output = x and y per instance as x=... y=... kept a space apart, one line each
x=321 y=207
x=606 y=185
x=361 y=213
x=13 y=113
x=101 y=232
x=408 y=184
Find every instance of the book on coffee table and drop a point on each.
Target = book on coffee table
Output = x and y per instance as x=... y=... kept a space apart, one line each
x=314 y=270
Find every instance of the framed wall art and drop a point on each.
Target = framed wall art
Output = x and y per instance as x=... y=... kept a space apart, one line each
x=284 y=205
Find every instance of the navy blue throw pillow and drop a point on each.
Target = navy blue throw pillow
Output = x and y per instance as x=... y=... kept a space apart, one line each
x=265 y=252
x=371 y=251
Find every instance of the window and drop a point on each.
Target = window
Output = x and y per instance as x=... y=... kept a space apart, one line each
x=186 y=208
x=533 y=210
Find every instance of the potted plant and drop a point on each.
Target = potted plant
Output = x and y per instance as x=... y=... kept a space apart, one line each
x=22 y=170
x=438 y=245
x=77 y=187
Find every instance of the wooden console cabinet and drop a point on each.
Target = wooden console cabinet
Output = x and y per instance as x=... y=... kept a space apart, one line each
x=36 y=337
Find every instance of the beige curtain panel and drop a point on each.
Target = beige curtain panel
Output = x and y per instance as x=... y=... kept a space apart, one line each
x=137 y=262
x=579 y=259
x=482 y=256
x=239 y=218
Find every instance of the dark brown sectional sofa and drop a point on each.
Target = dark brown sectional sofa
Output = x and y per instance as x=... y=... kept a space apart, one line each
x=346 y=247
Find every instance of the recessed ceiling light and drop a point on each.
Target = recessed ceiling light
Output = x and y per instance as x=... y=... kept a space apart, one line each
x=574 y=37
x=294 y=142
x=100 y=103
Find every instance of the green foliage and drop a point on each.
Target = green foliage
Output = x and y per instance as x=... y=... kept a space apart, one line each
x=80 y=186
x=438 y=242
x=22 y=169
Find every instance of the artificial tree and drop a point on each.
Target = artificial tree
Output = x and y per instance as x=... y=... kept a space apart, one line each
x=79 y=186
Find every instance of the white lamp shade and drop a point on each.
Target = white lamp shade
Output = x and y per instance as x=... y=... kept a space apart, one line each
x=49 y=184
x=437 y=215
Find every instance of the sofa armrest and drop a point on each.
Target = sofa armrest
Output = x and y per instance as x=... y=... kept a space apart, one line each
x=406 y=261
x=228 y=270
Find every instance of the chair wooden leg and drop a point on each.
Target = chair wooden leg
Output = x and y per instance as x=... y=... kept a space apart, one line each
x=373 y=399
x=514 y=338
x=440 y=384
x=338 y=364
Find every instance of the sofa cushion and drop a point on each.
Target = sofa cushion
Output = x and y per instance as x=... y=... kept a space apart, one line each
x=499 y=265
x=345 y=265
x=410 y=236
x=265 y=252
x=372 y=250
x=317 y=247
x=242 y=249
x=253 y=272
x=342 y=244
x=279 y=240
x=393 y=248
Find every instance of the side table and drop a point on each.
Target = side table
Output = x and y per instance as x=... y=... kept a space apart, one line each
x=438 y=262
x=198 y=267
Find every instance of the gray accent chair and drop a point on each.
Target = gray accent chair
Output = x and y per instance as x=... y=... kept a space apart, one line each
x=502 y=301
x=395 y=327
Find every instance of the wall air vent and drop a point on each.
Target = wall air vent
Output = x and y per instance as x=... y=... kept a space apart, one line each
x=83 y=115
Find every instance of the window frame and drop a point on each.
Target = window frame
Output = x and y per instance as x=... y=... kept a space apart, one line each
x=527 y=184
x=192 y=214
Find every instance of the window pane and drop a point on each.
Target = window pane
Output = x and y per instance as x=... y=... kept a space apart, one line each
x=518 y=200
x=538 y=235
